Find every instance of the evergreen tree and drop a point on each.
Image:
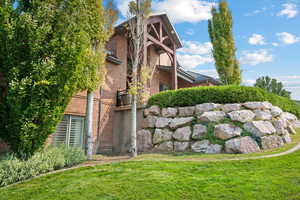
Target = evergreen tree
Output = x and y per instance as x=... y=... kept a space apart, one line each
x=220 y=31
x=273 y=86
x=50 y=50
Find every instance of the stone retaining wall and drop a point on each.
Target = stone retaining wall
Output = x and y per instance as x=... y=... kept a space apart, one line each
x=215 y=128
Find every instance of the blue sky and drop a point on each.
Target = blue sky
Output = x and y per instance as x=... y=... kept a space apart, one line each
x=267 y=35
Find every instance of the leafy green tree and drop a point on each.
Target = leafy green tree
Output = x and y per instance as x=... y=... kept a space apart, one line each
x=220 y=31
x=273 y=86
x=50 y=50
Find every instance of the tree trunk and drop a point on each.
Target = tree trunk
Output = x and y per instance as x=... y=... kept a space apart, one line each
x=89 y=124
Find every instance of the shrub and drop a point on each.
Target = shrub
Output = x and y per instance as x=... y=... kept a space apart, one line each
x=13 y=170
x=223 y=95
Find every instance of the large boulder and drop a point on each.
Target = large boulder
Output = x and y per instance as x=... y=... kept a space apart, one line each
x=201 y=108
x=231 y=107
x=276 y=111
x=153 y=110
x=258 y=105
x=179 y=122
x=280 y=126
x=199 y=131
x=227 y=131
x=186 y=111
x=181 y=146
x=271 y=142
x=242 y=116
x=183 y=134
x=241 y=145
x=296 y=124
x=149 y=122
x=213 y=116
x=260 y=128
x=204 y=146
x=263 y=114
x=289 y=117
x=162 y=122
x=169 y=112
x=164 y=147
x=144 y=140
x=287 y=138
x=162 y=135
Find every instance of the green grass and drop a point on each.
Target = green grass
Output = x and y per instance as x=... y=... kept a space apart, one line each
x=273 y=178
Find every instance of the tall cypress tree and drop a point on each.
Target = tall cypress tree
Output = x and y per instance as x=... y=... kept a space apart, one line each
x=220 y=32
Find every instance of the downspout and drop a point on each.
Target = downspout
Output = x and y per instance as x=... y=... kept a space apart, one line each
x=99 y=117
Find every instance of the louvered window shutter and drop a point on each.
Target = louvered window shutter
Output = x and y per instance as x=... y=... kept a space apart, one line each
x=76 y=131
x=70 y=131
x=60 y=137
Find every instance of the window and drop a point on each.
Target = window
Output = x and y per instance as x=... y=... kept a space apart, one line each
x=70 y=131
x=163 y=87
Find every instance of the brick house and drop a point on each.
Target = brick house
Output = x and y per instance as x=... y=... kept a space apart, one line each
x=161 y=43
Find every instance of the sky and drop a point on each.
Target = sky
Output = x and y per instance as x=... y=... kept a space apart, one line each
x=266 y=32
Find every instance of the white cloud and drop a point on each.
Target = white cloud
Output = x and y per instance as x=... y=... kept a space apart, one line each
x=190 y=32
x=256 y=57
x=249 y=82
x=275 y=44
x=193 y=47
x=192 y=61
x=256 y=39
x=289 y=10
x=185 y=10
x=122 y=5
x=288 y=38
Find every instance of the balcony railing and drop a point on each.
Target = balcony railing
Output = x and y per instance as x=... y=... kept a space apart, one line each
x=123 y=98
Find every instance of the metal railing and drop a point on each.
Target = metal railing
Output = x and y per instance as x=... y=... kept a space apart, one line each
x=123 y=98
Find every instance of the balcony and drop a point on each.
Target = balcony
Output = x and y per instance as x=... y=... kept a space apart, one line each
x=123 y=98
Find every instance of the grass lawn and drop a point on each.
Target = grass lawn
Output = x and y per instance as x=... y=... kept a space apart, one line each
x=272 y=178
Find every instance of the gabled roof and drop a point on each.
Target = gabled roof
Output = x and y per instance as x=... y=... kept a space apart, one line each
x=190 y=76
x=166 y=20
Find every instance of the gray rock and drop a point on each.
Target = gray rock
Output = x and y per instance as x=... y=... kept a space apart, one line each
x=213 y=116
x=258 y=105
x=181 y=146
x=287 y=138
x=149 y=122
x=260 y=128
x=280 y=126
x=169 y=112
x=201 y=108
x=271 y=142
x=199 y=131
x=186 y=111
x=144 y=140
x=182 y=134
x=231 y=107
x=227 y=131
x=164 y=147
x=241 y=145
x=296 y=124
x=242 y=116
x=153 y=110
x=291 y=130
x=162 y=135
x=263 y=114
x=288 y=116
x=179 y=122
x=276 y=111
x=162 y=122
x=204 y=146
